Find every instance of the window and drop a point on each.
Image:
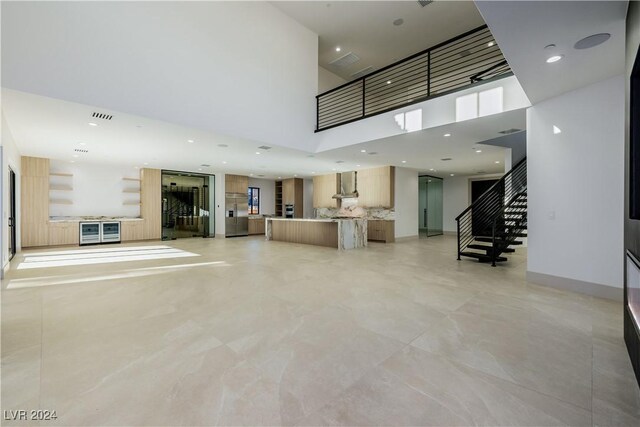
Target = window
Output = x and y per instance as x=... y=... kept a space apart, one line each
x=479 y=104
x=410 y=121
x=254 y=200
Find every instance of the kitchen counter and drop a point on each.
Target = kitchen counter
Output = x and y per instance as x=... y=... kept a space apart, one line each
x=90 y=218
x=340 y=233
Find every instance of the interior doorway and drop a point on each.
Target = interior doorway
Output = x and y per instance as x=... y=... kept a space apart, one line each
x=12 y=214
x=186 y=201
x=430 y=199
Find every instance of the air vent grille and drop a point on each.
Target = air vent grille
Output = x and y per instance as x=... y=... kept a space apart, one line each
x=101 y=116
x=345 y=60
x=362 y=72
x=205 y=165
x=340 y=161
x=446 y=159
x=264 y=147
x=372 y=153
x=508 y=131
x=80 y=150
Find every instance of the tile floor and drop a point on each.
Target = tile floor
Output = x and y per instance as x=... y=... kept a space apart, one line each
x=247 y=332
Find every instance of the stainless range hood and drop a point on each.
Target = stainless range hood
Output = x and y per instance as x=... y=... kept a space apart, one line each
x=348 y=186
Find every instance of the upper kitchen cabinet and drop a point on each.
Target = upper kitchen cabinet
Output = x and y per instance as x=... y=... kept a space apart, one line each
x=236 y=184
x=292 y=189
x=375 y=187
x=324 y=188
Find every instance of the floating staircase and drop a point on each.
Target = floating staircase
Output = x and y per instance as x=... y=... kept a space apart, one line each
x=492 y=225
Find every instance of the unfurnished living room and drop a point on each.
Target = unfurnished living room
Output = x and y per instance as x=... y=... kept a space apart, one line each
x=314 y=213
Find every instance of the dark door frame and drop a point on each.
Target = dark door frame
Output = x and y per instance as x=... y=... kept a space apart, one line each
x=12 y=214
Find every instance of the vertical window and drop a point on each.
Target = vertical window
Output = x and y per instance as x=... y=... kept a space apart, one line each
x=467 y=107
x=490 y=102
x=254 y=201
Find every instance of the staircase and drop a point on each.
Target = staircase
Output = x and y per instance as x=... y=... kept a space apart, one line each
x=492 y=225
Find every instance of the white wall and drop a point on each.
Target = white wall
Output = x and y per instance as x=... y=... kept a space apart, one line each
x=575 y=184
x=307 y=198
x=267 y=194
x=435 y=112
x=10 y=159
x=207 y=65
x=219 y=206
x=328 y=80
x=406 y=202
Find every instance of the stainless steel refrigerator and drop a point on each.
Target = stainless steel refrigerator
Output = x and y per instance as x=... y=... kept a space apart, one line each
x=236 y=222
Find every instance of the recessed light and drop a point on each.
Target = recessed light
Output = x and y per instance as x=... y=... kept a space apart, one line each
x=363 y=151
x=357 y=166
x=312 y=172
x=295 y=174
x=224 y=162
x=82 y=143
x=145 y=163
x=447 y=135
x=257 y=152
x=478 y=151
x=190 y=141
x=333 y=169
x=72 y=161
x=279 y=177
x=550 y=46
x=404 y=161
x=490 y=44
x=398 y=22
x=453 y=174
x=497 y=162
x=136 y=167
x=338 y=49
x=93 y=124
x=432 y=169
x=199 y=169
x=75 y=155
x=388 y=82
x=554 y=58
x=556 y=130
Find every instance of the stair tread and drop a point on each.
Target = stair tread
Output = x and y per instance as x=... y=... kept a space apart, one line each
x=489 y=248
x=489 y=240
x=481 y=257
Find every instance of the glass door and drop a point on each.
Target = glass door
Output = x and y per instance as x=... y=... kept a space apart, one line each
x=12 y=214
x=185 y=205
x=430 y=216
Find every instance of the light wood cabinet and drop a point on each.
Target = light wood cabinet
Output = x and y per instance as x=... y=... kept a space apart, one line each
x=151 y=203
x=64 y=233
x=34 y=196
x=131 y=230
x=381 y=230
x=376 y=187
x=292 y=194
x=236 y=183
x=256 y=226
x=324 y=188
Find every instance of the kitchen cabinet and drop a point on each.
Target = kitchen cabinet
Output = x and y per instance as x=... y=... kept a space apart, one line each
x=151 y=203
x=381 y=230
x=256 y=226
x=34 y=193
x=64 y=233
x=376 y=187
x=324 y=188
x=292 y=194
x=236 y=184
x=131 y=230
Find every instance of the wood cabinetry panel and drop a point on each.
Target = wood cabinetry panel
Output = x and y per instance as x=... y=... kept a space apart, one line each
x=256 y=226
x=34 y=196
x=131 y=230
x=306 y=232
x=151 y=202
x=64 y=233
x=381 y=230
x=292 y=194
x=376 y=187
x=324 y=188
x=236 y=183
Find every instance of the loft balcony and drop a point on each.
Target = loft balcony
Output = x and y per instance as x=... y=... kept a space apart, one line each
x=469 y=59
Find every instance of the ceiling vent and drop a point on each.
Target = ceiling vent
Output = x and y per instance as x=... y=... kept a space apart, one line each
x=205 y=166
x=223 y=145
x=264 y=147
x=260 y=176
x=345 y=60
x=362 y=72
x=372 y=153
x=424 y=3
x=481 y=172
x=101 y=116
x=508 y=131
x=340 y=161
x=446 y=159
x=80 y=150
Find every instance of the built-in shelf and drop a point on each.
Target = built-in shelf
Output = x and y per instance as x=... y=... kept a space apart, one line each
x=131 y=203
x=60 y=202
x=131 y=179
x=128 y=190
x=60 y=174
x=60 y=188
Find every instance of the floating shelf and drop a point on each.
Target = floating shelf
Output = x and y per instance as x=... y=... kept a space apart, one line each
x=60 y=174
x=60 y=188
x=131 y=179
x=60 y=202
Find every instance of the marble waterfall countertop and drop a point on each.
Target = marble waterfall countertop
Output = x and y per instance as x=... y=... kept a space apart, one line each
x=91 y=218
x=340 y=233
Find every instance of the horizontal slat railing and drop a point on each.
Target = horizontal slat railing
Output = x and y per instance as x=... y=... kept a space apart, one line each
x=483 y=215
x=468 y=59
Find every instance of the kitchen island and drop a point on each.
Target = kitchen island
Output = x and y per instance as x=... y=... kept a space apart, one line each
x=340 y=233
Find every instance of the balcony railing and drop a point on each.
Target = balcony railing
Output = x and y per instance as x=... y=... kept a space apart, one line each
x=470 y=58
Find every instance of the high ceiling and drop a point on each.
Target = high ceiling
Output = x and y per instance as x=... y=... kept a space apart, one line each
x=47 y=127
x=524 y=28
x=366 y=28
